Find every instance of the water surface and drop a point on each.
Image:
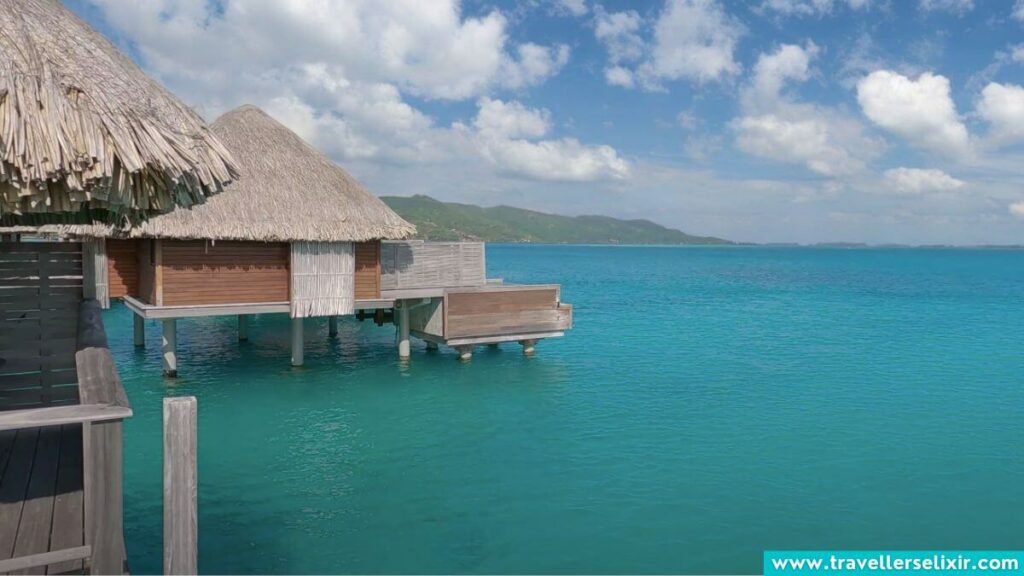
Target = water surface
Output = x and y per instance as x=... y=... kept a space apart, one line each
x=709 y=404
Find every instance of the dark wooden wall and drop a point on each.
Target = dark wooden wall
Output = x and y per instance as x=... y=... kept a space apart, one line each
x=367 y=270
x=201 y=272
x=122 y=268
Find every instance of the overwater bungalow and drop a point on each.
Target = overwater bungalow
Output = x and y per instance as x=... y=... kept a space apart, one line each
x=85 y=135
x=296 y=234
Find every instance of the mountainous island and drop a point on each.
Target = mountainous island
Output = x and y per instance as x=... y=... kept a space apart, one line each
x=436 y=220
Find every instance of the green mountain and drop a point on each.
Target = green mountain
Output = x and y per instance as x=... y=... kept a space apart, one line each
x=437 y=220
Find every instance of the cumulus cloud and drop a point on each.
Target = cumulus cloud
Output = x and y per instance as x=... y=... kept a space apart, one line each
x=952 y=6
x=919 y=180
x=1017 y=51
x=690 y=40
x=694 y=40
x=1002 y=106
x=921 y=111
x=808 y=7
x=823 y=140
x=575 y=8
x=425 y=48
x=1017 y=209
x=507 y=133
x=1018 y=10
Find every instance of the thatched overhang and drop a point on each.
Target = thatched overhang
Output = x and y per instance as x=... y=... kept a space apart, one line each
x=85 y=135
x=286 y=191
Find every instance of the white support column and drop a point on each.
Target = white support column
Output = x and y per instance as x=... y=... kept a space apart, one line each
x=332 y=326
x=528 y=346
x=465 y=352
x=403 y=329
x=243 y=327
x=140 y=331
x=297 y=342
x=170 y=348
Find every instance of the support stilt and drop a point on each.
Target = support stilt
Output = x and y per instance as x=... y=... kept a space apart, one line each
x=297 y=342
x=243 y=327
x=465 y=352
x=170 y=348
x=140 y=331
x=403 y=330
x=528 y=346
x=332 y=326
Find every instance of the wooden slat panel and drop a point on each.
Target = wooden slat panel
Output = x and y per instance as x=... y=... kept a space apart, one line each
x=414 y=264
x=367 y=270
x=224 y=272
x=520 y=322
x=122 y=268
x=502 y=301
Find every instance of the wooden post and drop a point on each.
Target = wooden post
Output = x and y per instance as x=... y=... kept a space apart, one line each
x=170 y=348
x=104 y=498
x=140 y=331
x=528 y=346
x=181 y=519
x=332 y=326
x=465 y=352
x=297 y=342
x=243 y=327
x=403 y=330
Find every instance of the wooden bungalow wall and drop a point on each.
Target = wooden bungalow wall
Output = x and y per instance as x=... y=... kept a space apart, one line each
x=367 y=270
x=122 y=268
x=201 y=272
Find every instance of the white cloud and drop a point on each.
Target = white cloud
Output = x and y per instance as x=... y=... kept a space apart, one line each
x=575 y=8
x=693 y=40
x=921 y=110
x=918 y=180
x=690 y=40
x=823 y=140
x=1002 y=106
x=619 y=76
x=806 y=142
x=1018 y=10
x=425 y=48
x=510 y=120
x=1017 y=209
x=952 y=6
x=772 y=71
x=809 y=7
x=504 y=136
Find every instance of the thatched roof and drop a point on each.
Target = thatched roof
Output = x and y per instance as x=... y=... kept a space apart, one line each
x=287 y=190
x=82 y=127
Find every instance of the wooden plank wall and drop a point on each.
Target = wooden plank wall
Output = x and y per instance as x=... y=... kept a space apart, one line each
x=417 y=264
x=145 y=260
x=367 y=270
x=505 y=311
x=40 y=292
x=199 y=272
x=122 y=268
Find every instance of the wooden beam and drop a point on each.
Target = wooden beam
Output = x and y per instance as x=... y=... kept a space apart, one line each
x=139 y=325
x=104 y=497
x=170 y=347
x=180 y=486
x=297 y=353
x=158 y=272
x=55 y=415
x=243 y=327
x=44 y=559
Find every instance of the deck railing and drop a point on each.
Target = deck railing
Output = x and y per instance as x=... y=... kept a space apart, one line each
x=38 y=304
x=414 y=264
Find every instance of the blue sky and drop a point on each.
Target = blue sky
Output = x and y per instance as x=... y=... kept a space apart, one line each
x=775 y=120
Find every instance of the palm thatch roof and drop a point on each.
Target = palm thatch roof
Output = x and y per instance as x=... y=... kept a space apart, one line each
x=82 y=128
x=287 y=191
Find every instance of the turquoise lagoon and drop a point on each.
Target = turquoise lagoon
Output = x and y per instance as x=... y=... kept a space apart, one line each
x=711 y=403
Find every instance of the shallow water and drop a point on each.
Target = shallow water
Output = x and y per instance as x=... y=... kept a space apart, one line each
x=709 y=404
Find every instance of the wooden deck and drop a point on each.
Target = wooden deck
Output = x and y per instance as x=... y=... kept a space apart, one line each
x=42 y=500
